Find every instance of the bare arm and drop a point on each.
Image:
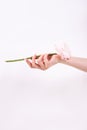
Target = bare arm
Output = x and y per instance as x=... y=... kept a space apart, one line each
x=62 y=56
x=44 y=62
x=77 y=62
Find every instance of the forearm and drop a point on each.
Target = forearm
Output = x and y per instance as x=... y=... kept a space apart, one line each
x=79 y=63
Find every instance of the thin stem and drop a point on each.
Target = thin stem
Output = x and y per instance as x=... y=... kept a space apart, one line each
x=15 y=60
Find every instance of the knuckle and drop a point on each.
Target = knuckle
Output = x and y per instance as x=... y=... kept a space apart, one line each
x=39 y=61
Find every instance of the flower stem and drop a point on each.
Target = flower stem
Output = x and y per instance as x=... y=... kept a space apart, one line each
x=15 y=60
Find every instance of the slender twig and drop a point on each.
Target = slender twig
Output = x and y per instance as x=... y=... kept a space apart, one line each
x=15 y=60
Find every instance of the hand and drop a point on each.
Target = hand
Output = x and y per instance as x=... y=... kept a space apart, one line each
x=43 y=62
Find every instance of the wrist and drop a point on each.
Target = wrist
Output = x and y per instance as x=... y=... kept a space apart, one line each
x=65 y=61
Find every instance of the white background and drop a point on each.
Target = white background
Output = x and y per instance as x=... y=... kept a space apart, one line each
x=42 y=100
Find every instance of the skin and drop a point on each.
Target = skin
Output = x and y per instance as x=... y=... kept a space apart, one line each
x=44 y=62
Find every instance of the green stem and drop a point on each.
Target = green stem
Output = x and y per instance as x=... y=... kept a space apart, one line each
x=28 y=58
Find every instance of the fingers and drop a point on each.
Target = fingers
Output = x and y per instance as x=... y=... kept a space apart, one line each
x=36 y=63
x=32 y=63
x=46 y=61
x=52 y=61
x=41 y=62
x=28 y=62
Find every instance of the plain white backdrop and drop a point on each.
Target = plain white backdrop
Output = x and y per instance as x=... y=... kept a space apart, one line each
x=33 y=99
